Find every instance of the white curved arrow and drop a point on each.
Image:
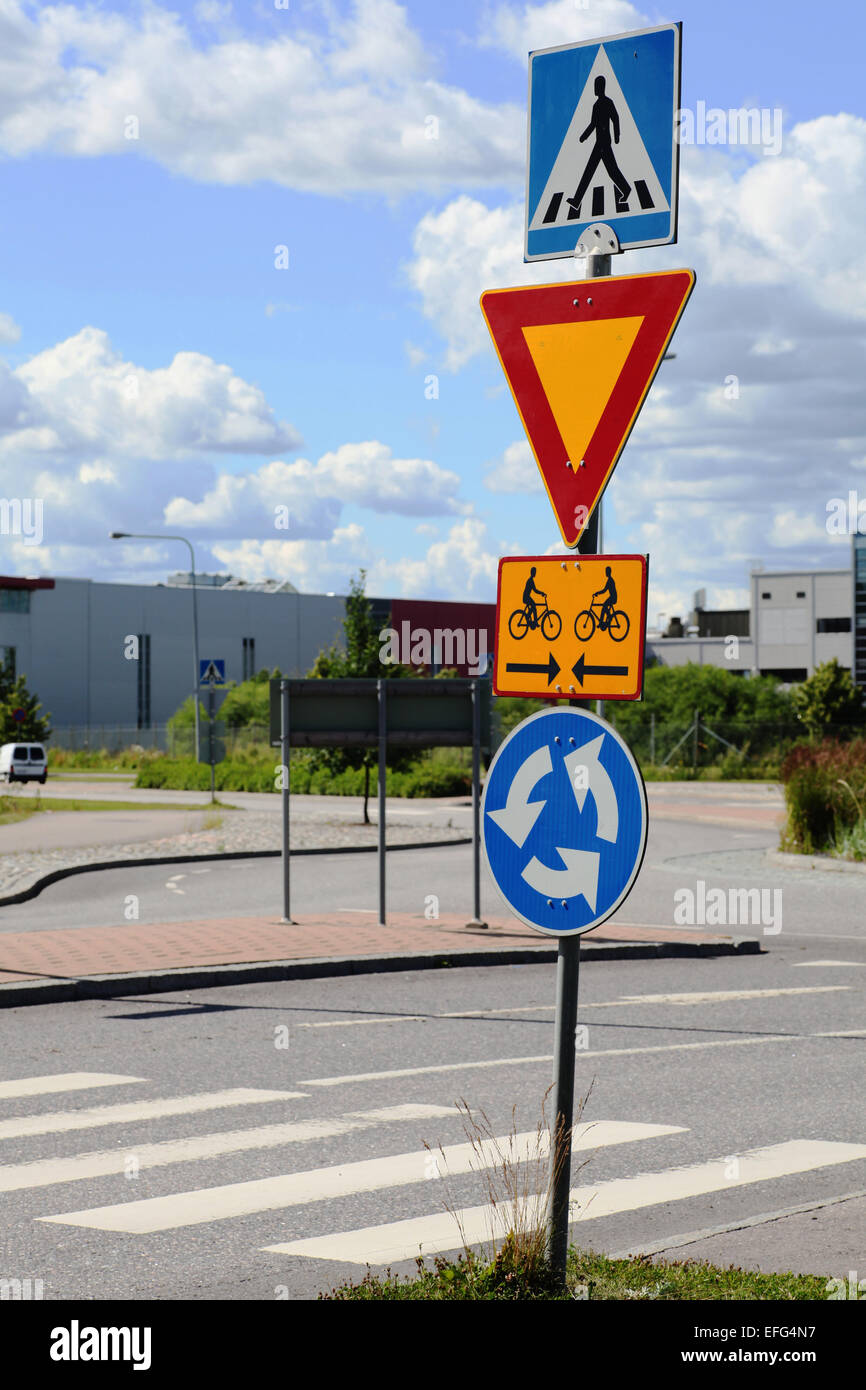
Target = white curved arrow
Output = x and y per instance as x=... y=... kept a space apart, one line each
x=518 y=816
x=599 y=784
x=580 y=875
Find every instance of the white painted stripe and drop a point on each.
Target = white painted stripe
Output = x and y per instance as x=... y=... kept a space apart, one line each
x=343 y=1180
x=720 y=996
x=63 y=1081
x=817 y=964
x=63 y=1120
x=429 y=1235
x=45 y=1172
x=520 y=1061
x=595 y=1055
x=708 y=997
x=424 y=1071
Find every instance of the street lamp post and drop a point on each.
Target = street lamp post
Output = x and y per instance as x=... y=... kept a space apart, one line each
x=148 y=536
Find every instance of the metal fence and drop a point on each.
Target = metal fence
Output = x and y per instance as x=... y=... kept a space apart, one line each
x=685 y=744
x=159 y=738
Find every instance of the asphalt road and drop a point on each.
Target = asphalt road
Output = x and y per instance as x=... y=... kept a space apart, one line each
x=693 y=1065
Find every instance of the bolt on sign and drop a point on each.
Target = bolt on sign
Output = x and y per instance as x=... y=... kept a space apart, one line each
x=580 y=359
x=571 y=628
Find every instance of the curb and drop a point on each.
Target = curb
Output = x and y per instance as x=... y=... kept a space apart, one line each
x=814 y=861
x=55 y=875
x=59 y=991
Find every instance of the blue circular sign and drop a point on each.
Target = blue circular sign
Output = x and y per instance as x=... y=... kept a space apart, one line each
x=564 y=820
x=20 y=715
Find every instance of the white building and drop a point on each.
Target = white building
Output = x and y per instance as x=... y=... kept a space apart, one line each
x=797 y=619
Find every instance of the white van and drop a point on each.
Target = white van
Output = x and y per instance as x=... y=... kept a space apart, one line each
x=23 y=762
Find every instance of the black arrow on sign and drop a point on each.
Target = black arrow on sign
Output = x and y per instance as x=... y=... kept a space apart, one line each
x=550 y=668
x=581 y=670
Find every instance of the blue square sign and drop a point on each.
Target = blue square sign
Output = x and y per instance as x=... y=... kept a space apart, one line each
x=603 y=141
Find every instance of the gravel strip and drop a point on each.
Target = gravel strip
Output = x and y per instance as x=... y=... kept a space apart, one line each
x=239 y=833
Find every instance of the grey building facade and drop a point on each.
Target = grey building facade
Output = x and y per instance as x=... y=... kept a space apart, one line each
x=71 y=638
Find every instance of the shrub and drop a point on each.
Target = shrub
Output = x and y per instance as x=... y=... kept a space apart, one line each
x=825 y=792
x=257 y=772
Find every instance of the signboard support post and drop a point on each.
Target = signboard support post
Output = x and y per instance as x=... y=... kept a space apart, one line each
x=211 y=714
x=285 y=755
x=383 y=749
x=567 y=971
x=476 y=805
x=597 y=263
x=567 y=978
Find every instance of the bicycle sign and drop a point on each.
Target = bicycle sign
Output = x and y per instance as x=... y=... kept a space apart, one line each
x=571 y=627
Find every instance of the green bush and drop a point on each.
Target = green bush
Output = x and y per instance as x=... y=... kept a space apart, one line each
x=425 y=777
x=825 y=793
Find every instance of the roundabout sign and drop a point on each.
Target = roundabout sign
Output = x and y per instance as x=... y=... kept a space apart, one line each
x=564 y=821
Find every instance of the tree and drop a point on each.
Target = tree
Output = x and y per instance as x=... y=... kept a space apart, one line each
x=359 y=658
x=16 y=698
x=828 y=697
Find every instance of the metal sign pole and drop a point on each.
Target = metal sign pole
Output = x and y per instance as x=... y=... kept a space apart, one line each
x=211 y=714
x=567 y=977
x=285 y=754
x=476 y=805
x=383 y=748
x=567 y=971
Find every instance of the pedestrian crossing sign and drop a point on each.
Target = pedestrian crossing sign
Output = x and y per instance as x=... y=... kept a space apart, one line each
x=603 y=141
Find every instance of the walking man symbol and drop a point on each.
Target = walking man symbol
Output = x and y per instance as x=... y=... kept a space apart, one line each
x=604 y=122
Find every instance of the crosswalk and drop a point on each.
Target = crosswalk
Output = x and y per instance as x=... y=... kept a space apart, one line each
x=294 y=1182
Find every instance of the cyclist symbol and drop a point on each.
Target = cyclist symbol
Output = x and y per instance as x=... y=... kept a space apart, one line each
x=608 y=619
x=526 y=618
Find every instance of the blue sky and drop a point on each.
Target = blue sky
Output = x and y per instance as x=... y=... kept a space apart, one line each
x=161 y=373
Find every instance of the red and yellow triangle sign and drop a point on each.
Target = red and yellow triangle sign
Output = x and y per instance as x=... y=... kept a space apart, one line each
x=580 y=359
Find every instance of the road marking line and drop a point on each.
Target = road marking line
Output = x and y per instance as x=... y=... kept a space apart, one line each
x=814 y=964
x=595 y=1055
x=710 y=997
x=130 y=1113
x=63 y=1081
x=45 y=1172
x=720 y=996
x=691 y=1237
x=429 y=1235
x=343 y=1180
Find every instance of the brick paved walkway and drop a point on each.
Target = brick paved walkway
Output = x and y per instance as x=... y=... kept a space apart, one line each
x=79 y=952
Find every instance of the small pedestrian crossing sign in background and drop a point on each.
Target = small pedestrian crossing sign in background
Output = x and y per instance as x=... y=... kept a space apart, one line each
x=602 y=141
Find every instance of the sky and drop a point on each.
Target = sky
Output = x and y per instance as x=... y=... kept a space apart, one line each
x=239 y=289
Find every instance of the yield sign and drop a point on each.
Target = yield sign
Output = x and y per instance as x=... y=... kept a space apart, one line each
x=580 y=359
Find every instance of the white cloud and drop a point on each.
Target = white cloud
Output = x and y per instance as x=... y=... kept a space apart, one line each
x=364 y=475
x=515 y=471
x=9 y=329
x=460 y=566
x=82 y=396
x=520 y=28
x=349 y=109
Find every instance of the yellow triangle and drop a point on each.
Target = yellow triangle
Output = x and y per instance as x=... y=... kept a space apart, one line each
x=579 y=365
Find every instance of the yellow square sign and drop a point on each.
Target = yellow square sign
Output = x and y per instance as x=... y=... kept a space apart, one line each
x=571 y=628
